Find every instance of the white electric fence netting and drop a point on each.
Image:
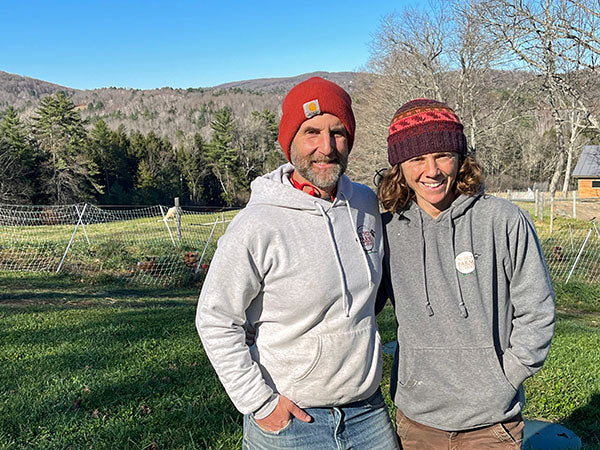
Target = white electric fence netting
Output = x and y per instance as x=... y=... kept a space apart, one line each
x=171 y=246
x=152 y=245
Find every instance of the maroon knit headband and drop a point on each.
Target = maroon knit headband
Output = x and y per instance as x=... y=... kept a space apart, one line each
x=424 y=126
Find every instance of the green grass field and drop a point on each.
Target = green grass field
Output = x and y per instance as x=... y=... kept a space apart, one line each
x=112 y=366
x=87 y=366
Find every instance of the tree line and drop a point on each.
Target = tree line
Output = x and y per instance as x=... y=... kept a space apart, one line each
x=521 y=74
x=52 y=158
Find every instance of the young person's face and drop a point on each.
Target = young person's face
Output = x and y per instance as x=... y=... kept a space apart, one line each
x=432 y=178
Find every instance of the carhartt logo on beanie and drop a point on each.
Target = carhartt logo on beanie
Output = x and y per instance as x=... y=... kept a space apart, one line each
x=424 y=126
x=308 y=99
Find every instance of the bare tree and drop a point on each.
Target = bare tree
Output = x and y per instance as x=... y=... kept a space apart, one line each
x=547 y=37
x=442 y=55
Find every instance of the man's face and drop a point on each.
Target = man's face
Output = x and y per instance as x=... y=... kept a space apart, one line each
x=319 y=151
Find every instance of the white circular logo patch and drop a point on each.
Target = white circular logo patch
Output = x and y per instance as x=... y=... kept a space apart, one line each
x=465 y=262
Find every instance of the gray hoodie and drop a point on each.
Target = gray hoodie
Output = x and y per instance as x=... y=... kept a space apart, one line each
x=303 y=272
x=475 y=309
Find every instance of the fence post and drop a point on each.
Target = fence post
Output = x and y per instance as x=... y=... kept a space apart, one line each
x=574 y=204
x=72 y=237
x=537 y=199
x=579 y=255
x=164 y=216
x=205 y=247
x=178 y=218
x=83 y=225
x=223 y=221
x=551 y=212
x=541 y=216
x=508 y=195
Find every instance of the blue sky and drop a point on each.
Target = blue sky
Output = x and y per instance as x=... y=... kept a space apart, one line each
x=87 y=44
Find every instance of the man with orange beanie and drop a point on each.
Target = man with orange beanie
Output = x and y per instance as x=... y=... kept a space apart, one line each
x=301 y=265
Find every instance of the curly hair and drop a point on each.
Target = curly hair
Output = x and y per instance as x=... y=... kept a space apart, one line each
x=395 y=194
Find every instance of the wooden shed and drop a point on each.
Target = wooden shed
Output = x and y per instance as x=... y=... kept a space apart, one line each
x=587 y=172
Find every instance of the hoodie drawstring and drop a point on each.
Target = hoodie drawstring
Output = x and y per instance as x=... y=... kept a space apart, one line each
x=357 y=239
x=461 y=300
x=423 y=255
x=325 y=217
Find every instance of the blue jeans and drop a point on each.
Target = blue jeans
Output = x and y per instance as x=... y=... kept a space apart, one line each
x=360 y=425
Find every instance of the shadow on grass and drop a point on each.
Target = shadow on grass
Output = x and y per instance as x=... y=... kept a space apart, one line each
x=585 y=422
x=118 y=327
x=18 y=290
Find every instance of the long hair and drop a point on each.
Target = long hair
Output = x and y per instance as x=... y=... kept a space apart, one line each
x=395 y=194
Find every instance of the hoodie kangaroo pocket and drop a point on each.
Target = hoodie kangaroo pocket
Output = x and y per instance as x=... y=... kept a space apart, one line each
x=463 y=384
x=343 y=366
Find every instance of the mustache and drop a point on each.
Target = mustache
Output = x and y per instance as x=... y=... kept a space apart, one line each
x=326 y=161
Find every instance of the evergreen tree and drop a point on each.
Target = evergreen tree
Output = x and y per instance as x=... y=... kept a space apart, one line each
x=69 y=171
x=110 y=152
x=222 y=156
x=202 y=185
x=158 y=178
x=273 y=156
x=17 y=160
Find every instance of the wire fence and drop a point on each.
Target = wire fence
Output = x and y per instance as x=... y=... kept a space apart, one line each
x=174 y=246
x=569 y=232
x=152 y=245
x=572 y=252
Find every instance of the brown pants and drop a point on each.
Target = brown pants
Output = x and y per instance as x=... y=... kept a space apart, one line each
x=505 y=435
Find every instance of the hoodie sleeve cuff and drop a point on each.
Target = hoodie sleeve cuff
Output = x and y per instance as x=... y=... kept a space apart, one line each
x=267 y=408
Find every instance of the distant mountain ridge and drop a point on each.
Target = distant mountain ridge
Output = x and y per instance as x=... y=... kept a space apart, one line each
x=175 y=113
x=284 y=84
x=18 y=90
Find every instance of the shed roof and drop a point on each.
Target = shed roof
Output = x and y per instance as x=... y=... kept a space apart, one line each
x=588 y=164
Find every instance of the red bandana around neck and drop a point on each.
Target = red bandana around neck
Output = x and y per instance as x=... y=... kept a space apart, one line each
x=311 y=188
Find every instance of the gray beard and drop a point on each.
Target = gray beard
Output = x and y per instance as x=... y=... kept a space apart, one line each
x=326 y=181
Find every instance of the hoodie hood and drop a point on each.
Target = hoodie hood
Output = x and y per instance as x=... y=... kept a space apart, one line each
x=276 y=189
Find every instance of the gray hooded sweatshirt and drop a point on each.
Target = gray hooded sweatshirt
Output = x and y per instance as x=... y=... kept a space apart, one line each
x=303 y=272
x=475 y=309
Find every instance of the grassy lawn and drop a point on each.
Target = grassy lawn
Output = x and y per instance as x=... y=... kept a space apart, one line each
x=121 y=366
x=88 y=366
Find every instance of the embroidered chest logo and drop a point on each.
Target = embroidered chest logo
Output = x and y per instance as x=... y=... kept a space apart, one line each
x=465 y=262
x=367 y=239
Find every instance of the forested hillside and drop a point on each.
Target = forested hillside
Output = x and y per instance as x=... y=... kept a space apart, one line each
x=130 y=146
x=172 y=113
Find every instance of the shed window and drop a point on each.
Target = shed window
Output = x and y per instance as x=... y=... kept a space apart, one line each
x=596 y=183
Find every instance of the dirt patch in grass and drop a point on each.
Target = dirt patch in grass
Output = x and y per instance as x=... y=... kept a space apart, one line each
x=585 y=210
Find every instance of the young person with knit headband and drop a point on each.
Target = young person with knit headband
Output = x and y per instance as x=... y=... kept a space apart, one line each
x=473 y=299
x=301 y=265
